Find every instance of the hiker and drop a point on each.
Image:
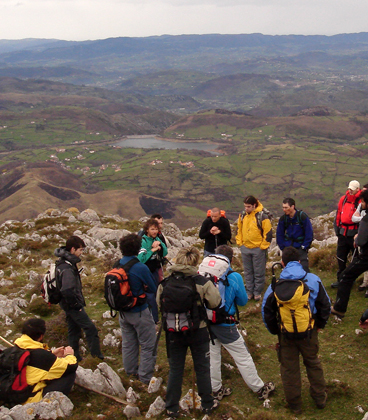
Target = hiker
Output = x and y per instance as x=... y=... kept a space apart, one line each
x=47 y=370
x=184 y=281
x=254 y=238
x=160 y=235
x=295 y=229
x=137 y=324
x=344 y=226
x=152 y=253
x=356 y=218
x=215 y=231
x=358 y=266
x=298 y=334
x=227 y=335
x=72 y=300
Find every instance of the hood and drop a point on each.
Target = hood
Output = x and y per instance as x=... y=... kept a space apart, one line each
x=63 y=253
x=293 y=271
x=26 y=342
x=188 y=270
x=352 y=198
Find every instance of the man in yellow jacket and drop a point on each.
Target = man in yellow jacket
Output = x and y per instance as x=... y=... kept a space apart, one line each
x=254 y=237
x=46 y=371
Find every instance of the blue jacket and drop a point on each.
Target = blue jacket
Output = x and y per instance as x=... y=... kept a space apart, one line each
x=139 y=277
x=234 y=293
x=318 y=299
x=298 y=232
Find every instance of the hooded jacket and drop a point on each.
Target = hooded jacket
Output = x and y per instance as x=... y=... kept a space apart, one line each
x=296 y=231
x=70 y=281
x=319 y=301
x=208 y=292
x=249 y=233
x=44 y=366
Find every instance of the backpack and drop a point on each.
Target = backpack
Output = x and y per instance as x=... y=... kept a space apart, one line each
x=292 y=297
x=181 y=305
x=216 y=268
x=259 y=217
x=14 y=388
x=118 y=293
x=50 y=288
x=222 y=213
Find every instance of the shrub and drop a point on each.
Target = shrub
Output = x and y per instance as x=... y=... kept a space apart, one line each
x=57 y=330
x=39 y=307
x=324 y=259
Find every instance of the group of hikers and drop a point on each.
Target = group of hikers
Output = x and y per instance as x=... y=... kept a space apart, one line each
x=199 y=303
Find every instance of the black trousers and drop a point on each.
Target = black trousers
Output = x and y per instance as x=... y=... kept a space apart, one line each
x=357 y=267
x=63 y=384
x=345 y=244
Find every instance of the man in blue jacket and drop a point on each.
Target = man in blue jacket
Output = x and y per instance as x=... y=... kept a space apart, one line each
x=228 y=336
x=295 y=229
x=137 y=324
x=289 y=349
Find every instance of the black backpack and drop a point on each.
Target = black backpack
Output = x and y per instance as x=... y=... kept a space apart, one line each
x=14 y=388
x=181 y=305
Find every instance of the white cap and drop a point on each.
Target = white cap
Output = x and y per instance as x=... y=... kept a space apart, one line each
x=354 y=185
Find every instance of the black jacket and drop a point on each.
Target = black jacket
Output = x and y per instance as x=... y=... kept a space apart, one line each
x=70 y=281
x=213 y=241
x=362 y=239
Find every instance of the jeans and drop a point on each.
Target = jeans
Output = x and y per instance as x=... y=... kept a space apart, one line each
x=77 y=321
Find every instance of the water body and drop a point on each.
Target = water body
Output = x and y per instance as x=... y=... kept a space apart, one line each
x=150 y=142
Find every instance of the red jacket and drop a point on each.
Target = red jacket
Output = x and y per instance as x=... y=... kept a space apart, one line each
x=345 y=210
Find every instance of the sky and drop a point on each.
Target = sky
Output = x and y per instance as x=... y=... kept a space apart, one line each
x=79 y=20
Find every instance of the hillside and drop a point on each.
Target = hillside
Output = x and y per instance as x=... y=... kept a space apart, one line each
x=26 y=251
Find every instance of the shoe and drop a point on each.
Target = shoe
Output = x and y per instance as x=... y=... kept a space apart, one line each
x=266 y=390
x=366 y=294
x=362 y=287
x=337 y=313
x=222 y=392
x=250 y=296
x=100 y=356
x=335 y=285
x=257 y=298
x=172 y=414
x=215 y=405
x=295 y=410
x=322 y=405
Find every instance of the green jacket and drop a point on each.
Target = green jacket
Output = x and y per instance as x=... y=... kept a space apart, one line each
x=152 y=259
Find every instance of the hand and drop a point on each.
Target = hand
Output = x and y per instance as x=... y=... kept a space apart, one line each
x=156 y=248
x=68 y=351
x=59 y=352
x=156 y=244
x=215 y=230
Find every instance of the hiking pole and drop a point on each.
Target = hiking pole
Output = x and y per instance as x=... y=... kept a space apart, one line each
x=6 y=341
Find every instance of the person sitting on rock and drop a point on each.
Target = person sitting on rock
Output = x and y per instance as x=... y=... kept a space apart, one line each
x=47 y=370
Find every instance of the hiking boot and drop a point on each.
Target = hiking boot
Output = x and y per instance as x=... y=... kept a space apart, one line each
x=337 y=313
x=222 y=392
x=250 y=296
x=172 y=414
x=322 y=405
x=257 y=298
x=366 y=294
x=335 y=285
x=215 y=405
x=266 y=390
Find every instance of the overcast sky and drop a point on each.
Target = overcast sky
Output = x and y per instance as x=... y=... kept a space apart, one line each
x=99 y=19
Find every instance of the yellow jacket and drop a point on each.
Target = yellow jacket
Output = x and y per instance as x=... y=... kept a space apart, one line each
x=249 y=233
x=43 y=365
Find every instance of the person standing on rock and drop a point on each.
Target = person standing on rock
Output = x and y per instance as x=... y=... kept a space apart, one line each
x=215 y=231
x=152 y=253
x=295 y=229
x=345 y=228
x=72 y=300
x=137 y=324
x=254 y=238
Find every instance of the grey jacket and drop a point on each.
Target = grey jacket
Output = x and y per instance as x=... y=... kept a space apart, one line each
x=70 y=281
x=362 y=239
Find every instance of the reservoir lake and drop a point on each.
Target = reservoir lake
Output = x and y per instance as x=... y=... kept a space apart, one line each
x=151 y=142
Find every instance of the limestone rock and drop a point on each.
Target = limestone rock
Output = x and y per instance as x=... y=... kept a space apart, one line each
x=105 y=234
x=11 y=307
x=131 y=411
x=103 y=379
x=186 y=403
x=52 y=406
x=88 y=216
x=131 y=396
x=154 y=385
x=156 y=408
x=111 y=341
x=170 y=229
